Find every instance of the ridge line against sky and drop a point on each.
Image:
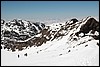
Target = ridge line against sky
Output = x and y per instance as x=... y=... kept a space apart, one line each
x=48 y=9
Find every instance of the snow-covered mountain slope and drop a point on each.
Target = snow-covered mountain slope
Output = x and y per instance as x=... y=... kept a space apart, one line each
x=21 y=29
x=48 y=55
x=74 y=43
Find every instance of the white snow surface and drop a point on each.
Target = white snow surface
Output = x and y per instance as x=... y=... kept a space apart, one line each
x=55 y=53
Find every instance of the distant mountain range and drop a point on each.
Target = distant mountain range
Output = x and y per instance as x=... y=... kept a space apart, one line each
x=19 y=34
x=20 y=29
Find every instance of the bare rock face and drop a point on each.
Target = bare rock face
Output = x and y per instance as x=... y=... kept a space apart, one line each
x=91 y=25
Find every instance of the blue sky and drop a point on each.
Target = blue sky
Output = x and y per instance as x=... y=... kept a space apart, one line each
x=48 y=9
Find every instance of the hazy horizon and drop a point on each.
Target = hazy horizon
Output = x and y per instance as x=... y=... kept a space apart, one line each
x=48 y=9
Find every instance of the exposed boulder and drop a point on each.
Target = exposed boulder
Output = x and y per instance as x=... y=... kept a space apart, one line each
x=7 y=34
x=25 y=54
x=74 y=20
x=2 y=21
x=18 y=55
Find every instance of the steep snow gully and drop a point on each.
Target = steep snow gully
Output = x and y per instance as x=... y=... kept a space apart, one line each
x=73 y=43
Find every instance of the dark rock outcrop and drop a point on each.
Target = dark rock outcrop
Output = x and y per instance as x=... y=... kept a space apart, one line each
x=25 y=54
x=74 y=20
x=91 y=24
